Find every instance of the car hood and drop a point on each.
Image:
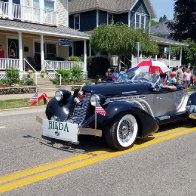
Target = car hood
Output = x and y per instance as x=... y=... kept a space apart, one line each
x=112 y=89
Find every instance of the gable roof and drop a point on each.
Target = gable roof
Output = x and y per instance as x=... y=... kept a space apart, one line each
x=161 y=30
x=115 y=6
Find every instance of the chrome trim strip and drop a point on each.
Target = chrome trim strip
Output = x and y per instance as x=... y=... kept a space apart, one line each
x=124 y=93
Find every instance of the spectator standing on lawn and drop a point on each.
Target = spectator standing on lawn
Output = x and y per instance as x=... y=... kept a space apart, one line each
x=2 y=53
x=179 y=76
x=187 y=78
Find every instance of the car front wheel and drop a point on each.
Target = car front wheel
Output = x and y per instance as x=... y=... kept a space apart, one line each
x=122 y=133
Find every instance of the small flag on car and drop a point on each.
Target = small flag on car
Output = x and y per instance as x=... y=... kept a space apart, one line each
x=99 y=109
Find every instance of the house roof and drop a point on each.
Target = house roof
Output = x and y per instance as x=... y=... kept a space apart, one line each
x=161 y=30
x=167 y=42
x=60 y=31
x=116 y=6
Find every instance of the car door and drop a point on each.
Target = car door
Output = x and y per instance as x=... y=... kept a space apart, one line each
x=169 y=102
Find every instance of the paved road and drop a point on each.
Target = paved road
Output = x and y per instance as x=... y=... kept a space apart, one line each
x=165 y=164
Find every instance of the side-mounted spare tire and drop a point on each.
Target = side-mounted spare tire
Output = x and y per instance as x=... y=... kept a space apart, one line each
x=122 y=133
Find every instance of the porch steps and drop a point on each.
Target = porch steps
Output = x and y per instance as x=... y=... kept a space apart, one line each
x=45 y=85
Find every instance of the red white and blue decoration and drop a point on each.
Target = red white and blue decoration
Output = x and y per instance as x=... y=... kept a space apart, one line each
x=99 y=109
x=151 y=67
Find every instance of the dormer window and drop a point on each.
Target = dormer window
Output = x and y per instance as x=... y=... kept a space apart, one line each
x=140 y=21
x=77 y=22
x=48 y=5
x=110 y=18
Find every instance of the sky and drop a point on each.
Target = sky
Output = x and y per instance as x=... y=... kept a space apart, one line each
x=162 y=7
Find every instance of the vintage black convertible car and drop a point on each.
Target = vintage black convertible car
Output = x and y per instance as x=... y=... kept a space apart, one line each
x=121 y=111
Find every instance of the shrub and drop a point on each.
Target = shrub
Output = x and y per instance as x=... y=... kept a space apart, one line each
x=12 y=76
x=65 y=75
x=74 y=58
x=76 y=74
x=97 y=66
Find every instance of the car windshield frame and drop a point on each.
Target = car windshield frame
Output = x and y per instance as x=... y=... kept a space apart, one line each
x=151 y=78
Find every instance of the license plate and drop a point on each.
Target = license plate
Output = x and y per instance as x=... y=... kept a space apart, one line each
x=65 y=131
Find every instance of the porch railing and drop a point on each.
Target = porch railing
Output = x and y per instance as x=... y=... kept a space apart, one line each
x=172 y=62
x=6 y=63
x=32 y=68
x=27 y=13
x=49 y=67
x=67 y=65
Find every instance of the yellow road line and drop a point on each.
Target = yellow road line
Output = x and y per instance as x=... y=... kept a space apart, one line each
x=48 y=166
x=74 y=166
x=171 y=131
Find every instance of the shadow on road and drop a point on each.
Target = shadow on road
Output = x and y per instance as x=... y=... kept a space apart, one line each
x=90 y=143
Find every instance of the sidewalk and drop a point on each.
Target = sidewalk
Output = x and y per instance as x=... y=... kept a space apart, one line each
x=23 y=96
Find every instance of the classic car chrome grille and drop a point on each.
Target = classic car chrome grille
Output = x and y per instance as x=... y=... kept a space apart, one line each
x=80 y=111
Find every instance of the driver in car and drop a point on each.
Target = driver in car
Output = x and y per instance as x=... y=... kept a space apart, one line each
x=168 y=83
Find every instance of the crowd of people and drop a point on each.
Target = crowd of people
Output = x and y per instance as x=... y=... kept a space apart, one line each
x=178 y=75
x=184 y=76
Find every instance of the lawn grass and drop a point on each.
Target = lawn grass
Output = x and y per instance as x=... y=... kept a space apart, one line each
x=17 y=103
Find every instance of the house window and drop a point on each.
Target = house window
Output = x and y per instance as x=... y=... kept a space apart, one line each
x=36 y=3
x=49 y=50
x=110 y=18
x=77 y=22
x=140 y=21
x=49 y=5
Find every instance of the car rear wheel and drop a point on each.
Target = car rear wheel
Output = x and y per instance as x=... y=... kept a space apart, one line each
x=122 y=133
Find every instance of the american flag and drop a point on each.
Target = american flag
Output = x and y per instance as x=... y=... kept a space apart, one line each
x=34 y=99
x=99 y=109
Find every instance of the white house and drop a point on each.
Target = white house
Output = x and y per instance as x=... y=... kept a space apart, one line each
x=37 y=32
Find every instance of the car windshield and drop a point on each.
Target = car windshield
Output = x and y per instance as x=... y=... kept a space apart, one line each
x=139 y=77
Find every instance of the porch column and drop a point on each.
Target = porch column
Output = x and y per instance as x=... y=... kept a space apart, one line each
x=180 y=56
x=20 y=54
x=85 y=60
x=169 y=56
x=10 y=15
x=129 y=19
x=42 y=52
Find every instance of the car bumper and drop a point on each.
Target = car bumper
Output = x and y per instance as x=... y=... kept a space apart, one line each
x=65 y=131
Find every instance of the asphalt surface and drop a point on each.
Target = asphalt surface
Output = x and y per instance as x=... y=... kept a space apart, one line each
x=165 y=168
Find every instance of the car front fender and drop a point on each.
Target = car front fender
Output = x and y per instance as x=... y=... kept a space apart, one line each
x=60 y=110
x=147 y=123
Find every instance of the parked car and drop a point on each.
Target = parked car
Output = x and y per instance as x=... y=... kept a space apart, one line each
x=120 y=111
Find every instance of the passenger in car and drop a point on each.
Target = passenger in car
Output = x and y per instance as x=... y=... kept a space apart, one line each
x=168 y=83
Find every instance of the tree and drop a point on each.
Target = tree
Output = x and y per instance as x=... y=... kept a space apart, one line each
x=119 y=39
x=189 y=53
x=184 y=25
x=163 y=19
x=153 y=23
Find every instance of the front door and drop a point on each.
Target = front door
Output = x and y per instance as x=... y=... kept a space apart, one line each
x=13 y=49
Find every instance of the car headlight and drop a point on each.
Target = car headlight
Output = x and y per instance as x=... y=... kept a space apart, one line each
x=59 y=95
x=94 y=99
